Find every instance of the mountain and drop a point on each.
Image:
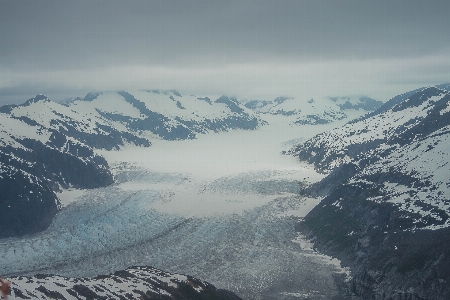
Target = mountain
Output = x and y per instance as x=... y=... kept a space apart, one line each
x=47 y=146
x=132 y=283
x=168 y=114
x=386 y=206
x=314 y=111
x=35 y=161
x=109 y=120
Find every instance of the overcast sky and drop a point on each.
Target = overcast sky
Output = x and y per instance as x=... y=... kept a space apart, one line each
x=249 y=49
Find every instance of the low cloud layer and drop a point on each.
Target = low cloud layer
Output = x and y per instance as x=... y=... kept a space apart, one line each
x=251 y=49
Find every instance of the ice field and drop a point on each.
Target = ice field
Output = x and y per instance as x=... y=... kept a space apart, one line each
x=221 y=208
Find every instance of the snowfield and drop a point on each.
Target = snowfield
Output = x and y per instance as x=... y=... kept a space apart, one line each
x=221 y=208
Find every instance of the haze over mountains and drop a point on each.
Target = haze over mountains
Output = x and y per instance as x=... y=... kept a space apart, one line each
x=196 y=185
x=52 y=145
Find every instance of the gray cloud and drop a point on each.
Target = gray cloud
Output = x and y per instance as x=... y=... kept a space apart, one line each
x=95 y=44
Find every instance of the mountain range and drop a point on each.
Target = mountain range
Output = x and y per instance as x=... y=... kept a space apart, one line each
x=314 y=111
x=47 y=146
x=386 y=197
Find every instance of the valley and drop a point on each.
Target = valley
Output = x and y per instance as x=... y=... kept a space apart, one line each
x=222 y=207
x=282 y=199
x=225 y=150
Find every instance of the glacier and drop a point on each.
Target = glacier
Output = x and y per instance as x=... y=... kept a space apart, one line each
x=222 y=207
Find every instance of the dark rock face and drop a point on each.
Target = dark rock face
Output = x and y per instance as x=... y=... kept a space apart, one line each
x=386 y=208
x=27 y=204
x=79 y=167
x=322 y=118
x=132 y=283
x=366 y=103
x=104 y=137
x=388 y=261
x=30 y=176
x=231 y=122
x=231 y=103
x=91 y=96
x=255 y=104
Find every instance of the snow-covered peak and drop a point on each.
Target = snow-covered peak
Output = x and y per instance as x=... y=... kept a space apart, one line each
x=112 y=119
x=36 y=99
x=403 y=151
x=301 y=111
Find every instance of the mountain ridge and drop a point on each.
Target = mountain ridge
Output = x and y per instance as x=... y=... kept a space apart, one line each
x=385 y=211
x=54 y=139
x=132 y=283
x=56 y=143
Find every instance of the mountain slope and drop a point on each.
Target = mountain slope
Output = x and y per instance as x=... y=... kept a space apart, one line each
x=167 y=114
x=406 y=146
x=132 y=283
x=387 y=197
x=34 y=162
x=52 y=146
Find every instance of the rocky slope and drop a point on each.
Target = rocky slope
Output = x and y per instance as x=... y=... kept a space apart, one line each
x=386 y=205
x=46 y=146
x=132 y=283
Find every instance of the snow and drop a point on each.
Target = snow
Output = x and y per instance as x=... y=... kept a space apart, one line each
x=300 y=109
x=430 y=163
x=210 y=156
x=222 y=208
x=242 y=156
x=141 y=280
x=424 y=160
x=68 y=196
x=195 y=109
x=21 y=130
x=445 y=110
x=110 y=102
x=44 y=112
